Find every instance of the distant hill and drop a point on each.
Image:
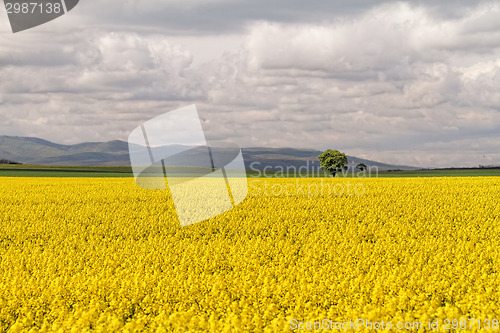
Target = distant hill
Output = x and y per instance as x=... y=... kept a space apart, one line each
x=28 y=150
x=291 y=157
x=38 y=151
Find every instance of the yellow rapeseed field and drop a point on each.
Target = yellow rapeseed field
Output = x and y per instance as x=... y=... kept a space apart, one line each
x=101 y=254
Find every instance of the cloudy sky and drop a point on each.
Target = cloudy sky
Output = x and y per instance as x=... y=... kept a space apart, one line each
x=413 y=83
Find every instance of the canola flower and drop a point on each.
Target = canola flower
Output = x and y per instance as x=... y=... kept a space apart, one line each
x=81 y=255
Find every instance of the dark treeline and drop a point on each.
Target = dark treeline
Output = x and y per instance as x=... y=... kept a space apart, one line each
x=4 y=161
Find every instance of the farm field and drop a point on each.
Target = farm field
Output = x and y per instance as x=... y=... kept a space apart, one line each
x=101 y=254
x=11 y=170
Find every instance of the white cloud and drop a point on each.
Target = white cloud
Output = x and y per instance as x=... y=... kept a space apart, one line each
x=395 y=82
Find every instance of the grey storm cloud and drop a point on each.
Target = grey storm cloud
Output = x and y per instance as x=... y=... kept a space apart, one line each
x=209 y=16
x=409 y=83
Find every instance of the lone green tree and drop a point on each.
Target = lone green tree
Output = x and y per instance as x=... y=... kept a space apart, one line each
x=333 y=161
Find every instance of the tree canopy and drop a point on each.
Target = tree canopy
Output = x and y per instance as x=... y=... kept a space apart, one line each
x=333 y=161
x=361 y=166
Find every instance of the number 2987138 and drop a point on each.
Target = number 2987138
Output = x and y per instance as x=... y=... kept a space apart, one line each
x=33 y=8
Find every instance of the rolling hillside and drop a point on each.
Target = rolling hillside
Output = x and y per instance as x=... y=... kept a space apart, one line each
x=28 y=150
